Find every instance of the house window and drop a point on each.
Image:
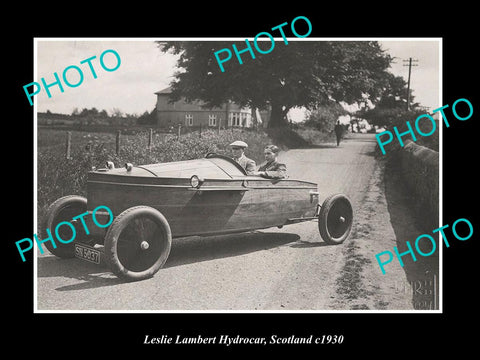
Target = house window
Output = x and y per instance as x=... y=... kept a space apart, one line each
x=235 y=119
x=189 y=119
x=212 y=120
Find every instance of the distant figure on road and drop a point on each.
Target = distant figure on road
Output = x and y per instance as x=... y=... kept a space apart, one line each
x=338 y=131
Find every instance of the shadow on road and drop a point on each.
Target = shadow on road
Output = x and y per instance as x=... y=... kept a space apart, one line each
x=422 y=274
x=196 y=249
x=319 y=146
x=184 y=251
x=306 y=244
x=90 y=275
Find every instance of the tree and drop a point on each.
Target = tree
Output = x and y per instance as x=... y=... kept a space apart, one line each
x=389 y=117
x=116 y=113
x=324 y=117
x=394 y=93
x=390 y=109
x=89 y=112
x=148 y=118
x=297 y=74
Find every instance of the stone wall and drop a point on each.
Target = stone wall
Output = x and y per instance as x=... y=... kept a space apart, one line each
x=420 y=170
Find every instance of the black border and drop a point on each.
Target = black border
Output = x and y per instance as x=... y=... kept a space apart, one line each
x=364 y=333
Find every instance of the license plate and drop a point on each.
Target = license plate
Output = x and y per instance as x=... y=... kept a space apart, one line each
x=87 y=253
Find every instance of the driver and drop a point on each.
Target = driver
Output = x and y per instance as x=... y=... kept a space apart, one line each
x=238 y=150
x=272 y=169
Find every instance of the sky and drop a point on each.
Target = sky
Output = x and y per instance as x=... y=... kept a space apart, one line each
x=144 y=69
x=426 y=76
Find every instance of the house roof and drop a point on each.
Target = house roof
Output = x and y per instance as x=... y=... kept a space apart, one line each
x=167 y=90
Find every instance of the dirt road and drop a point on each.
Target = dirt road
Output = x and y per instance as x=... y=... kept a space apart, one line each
x=273 y=269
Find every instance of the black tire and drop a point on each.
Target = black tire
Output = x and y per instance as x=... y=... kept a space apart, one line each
x=63 y=209
x=131 y=231
x=335 y=219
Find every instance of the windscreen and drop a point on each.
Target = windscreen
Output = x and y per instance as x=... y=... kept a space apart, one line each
x=228 y=166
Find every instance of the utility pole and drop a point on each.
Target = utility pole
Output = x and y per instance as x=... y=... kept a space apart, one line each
x=410 y=60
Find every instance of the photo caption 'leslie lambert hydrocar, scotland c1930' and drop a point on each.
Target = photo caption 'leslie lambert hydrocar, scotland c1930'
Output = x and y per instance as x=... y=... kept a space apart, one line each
x=152 y=204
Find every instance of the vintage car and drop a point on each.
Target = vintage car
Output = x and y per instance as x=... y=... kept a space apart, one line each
x=152 y=204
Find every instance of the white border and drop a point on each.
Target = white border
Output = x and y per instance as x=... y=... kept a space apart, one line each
x=35 y=263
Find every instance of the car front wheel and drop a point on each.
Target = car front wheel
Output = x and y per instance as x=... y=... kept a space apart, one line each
x=138 y=243
x=335 y=219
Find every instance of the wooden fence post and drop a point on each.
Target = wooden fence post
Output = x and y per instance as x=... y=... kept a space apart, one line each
x=219 y=122
x=200 y=131
x=150 y=136
x=179 y=130
x=117 y=143
x=68 y=144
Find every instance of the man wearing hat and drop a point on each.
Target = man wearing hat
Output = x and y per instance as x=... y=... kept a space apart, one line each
x=238 y=149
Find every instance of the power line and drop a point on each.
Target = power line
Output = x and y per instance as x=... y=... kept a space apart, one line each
x=410 y=64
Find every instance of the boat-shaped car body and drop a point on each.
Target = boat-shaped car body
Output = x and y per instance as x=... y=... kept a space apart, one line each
x=150 y=205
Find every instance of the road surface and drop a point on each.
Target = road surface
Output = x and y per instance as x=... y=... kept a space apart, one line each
x=274 y=269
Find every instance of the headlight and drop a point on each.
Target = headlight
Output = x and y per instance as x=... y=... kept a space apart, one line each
x=313 y=195
x=196 y=181
x=129 y=167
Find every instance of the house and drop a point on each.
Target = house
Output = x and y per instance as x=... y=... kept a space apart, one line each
x=192 y=114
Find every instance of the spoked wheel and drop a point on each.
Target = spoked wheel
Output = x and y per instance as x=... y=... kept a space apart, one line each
x=335 y=219
x=63 y=210
x=138 y=243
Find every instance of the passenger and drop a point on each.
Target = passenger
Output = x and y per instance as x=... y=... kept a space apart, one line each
x=272 y=169
x=238 y=150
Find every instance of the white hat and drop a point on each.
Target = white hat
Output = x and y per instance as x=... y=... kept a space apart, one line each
x=239 y=143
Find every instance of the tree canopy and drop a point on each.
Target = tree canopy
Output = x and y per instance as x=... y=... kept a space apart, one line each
x=298 y=74
x=391 y=108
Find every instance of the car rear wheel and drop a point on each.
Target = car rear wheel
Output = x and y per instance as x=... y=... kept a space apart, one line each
x=138 y=243
x=62 y=210
x=335 y=219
